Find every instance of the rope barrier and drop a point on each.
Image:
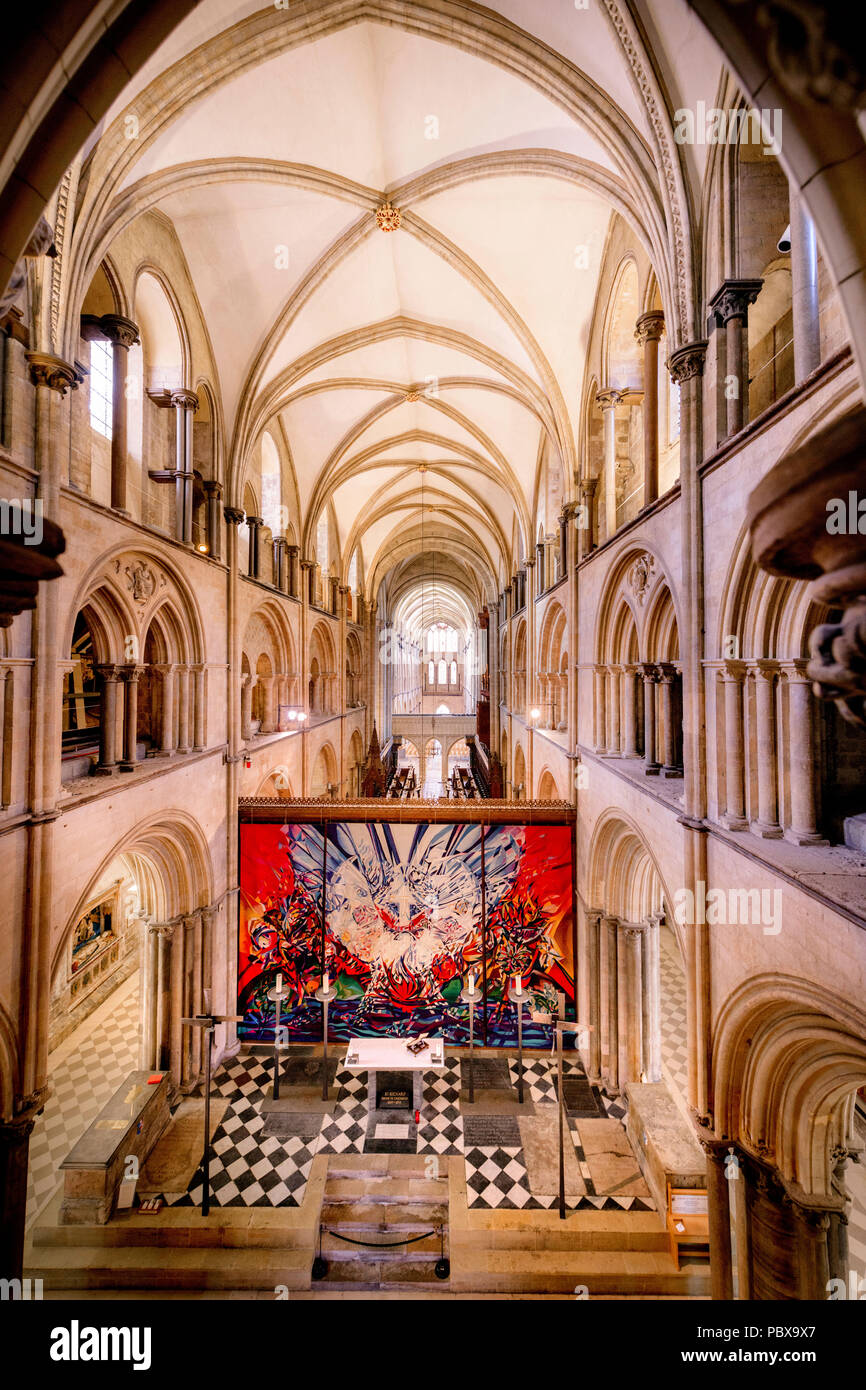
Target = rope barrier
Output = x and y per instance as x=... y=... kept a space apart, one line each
x=377 y=1245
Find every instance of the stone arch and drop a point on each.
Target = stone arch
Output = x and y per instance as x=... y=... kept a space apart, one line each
x=788 y=1056
x=624 y=876
x=324 y=771
x=518 y=776
x=547 y=788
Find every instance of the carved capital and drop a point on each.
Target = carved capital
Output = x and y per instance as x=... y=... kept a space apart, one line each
x=52 y=372
x=732 y=299
x=608 y=399
x=119 y=331
x=212 y=488
x=233 y=515
x=688 y=361
x=183 y=399
x=650 y=327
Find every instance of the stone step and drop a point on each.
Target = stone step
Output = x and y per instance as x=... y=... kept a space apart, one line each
x=630 y=1272
x=86 y=1267
x=385 y=1189
x=376 y=1167
x=402 y=1215
x=581 y=1230
x=430 y=1248
x=361 y=1274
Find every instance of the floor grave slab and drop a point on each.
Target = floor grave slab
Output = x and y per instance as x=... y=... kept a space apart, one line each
x=288 y=1124
x=487 y=1130
x=491 y=1073
x=391 y=1132
x=307 y=1071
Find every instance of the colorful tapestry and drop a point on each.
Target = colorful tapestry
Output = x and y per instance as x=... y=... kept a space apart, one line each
x=402 y=927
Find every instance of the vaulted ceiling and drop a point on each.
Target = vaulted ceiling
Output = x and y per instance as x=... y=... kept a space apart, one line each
x=420 y=376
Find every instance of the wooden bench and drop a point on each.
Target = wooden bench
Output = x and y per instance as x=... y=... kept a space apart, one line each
x=688 y=1220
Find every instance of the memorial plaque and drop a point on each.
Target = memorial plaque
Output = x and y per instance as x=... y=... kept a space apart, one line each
x=394 y=1090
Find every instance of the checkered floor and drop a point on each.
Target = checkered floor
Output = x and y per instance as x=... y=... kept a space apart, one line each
x=249 y=1169
x=674 y=1037
x=84 y=1073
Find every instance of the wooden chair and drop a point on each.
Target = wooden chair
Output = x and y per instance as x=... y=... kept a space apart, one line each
x=688 y=1221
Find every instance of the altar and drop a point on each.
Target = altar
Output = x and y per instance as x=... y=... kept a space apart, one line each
x=394 y=1069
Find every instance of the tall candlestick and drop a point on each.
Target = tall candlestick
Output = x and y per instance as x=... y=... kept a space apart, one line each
x=326 y=983
x=279 y=984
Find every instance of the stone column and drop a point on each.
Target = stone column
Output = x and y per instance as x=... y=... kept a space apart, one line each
x=199 y=707
x=615 y=706
x=593 y=946
x=812 y=1226
x=255 y=523
x=608 y=400
x=587 y=537
x=130 y=676
x=730 y=307
x=668 y=676
x=166 y=672
x=804 y=290
x=308 y=581
x=122 y=334
x=608 y=710
x=648 y=331
x=183 y=743
x=629 y=714
x=14 y=1149
x=108 y=720
x=247 y=683
x=610 y=1003
x=269 y=722
x=213 y=492
x=719 y=1221
x=599 y=721
x=630 y=1042
x=281 y=566
x=651 y=968
x=185 y=403
x=803 y=829
x=733 y=675
x=767 y=825
x=292 y=552
x=565 y=515
x=175 y=1004
x=650 y=677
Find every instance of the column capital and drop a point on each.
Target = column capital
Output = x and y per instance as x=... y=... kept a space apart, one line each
x=588 y=486
x=184 y=399
x=109 y=671
x=119 y=331
x=667 y=671
x=233 y=515
x=609 y=398
x=212 y=488
x=53 y=372
x=306 y=564
x=291 y=547
x=732 y=299
x=164 y=668
x=733 y=670
x=649 y=671
x=253 y=521
x=687 y=361
x=130 y=673
x=797 y=670
x=767 y=668
x=650 y=327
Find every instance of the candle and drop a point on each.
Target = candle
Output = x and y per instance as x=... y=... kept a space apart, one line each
x=279 y=984
x=326 y=983
x=518 y=984
x=471 y=981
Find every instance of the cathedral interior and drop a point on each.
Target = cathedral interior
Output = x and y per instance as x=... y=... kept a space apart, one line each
x=433 y=574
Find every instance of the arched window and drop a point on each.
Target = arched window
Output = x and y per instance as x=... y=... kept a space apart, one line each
x=442 y=676
x=431 y=672
x=322 y=558
x=101 y=386
x=453 y=672
x=81 y=696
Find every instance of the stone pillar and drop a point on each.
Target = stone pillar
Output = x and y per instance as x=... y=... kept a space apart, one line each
x=630 y=982
x=608 y=710
x=734 y=818
x=292 y=552
x=213 y=492
x=269 y=722
x=199 y=708
x=650 y=677
x=668 y=675
x=804 y=290
x=730 y=307
x=166 y=672
x=629 y=711
x=719 y=1220
x=308 y=581
x=247 y=683
x=255 y=523
x=803 y=829
x=14 y=1149
x=593 y=947
x=651 y=968
x=565 y=516
x=183 y=743
x=130 y=676
x=108 y=719
x=175 y=1004
x=185 y=403
x=648 y=331
x=812 y=1227
x=122 y=334
x=608 y=400
x=599 y=721
x=767 y=825
x=281 y=566
x=615 y=707
x=587 y=535
x=609 y=1009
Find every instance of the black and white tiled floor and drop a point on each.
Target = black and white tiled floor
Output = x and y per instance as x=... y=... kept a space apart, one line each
x=250 y=1169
